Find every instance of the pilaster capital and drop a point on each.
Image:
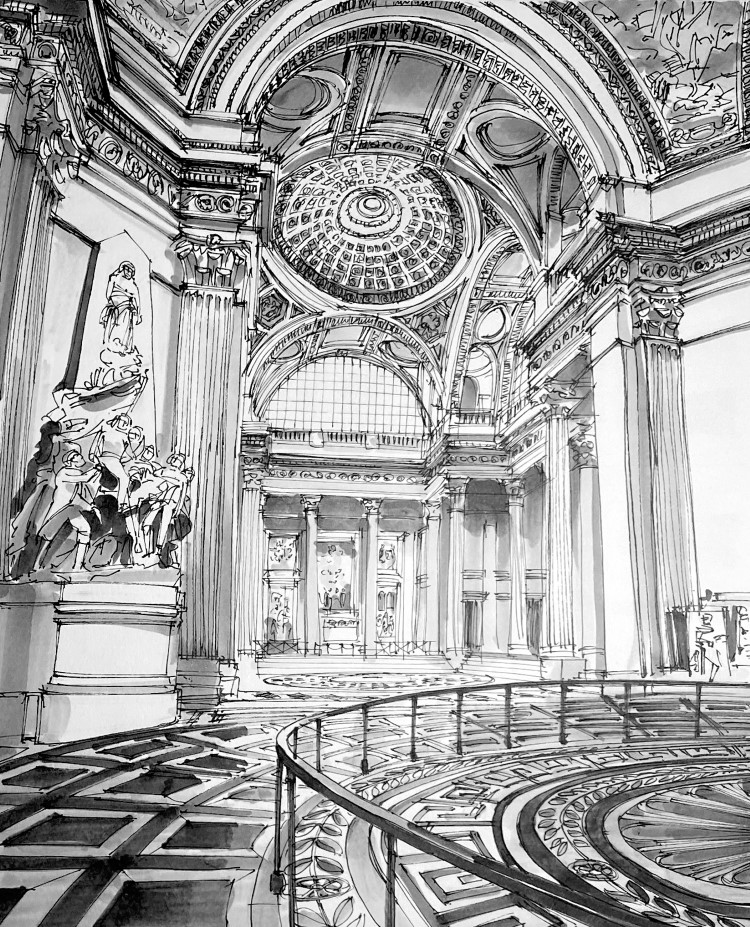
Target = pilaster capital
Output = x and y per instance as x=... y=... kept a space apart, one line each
x=310 y=504
x=371 y=506
x=431 y=509
x=657 y=312
x=557 y=399
x=515 y=489
x=46 y=132
x=456 y=489
x=252 y=479
x=213 y=262
x=583 y=446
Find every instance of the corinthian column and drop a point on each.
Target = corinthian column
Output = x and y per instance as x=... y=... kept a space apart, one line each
x=519 y=641
x=589 y=606
x=455 y=617
x=208 y=400
x=311 y=632
x=45 y=156
x=659 y=360
x=428 y=581
x=372 y=512
x=557 y=629
x=248 y=603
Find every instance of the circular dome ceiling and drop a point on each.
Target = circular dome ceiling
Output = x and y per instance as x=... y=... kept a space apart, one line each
x=369 y=228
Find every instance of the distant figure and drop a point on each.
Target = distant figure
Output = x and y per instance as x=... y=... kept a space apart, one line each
x=123 y=309
x=711 y=650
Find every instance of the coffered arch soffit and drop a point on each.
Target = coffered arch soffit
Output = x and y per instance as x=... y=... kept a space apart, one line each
x=595 y=136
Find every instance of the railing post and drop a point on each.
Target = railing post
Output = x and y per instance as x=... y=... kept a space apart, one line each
x=277 y=876
x=413 y=751
x=508 y=719
x=295 y=736
x=318 y=734
x=290 y=850
x=459 y=723
x=390 y=880
x=365 y=766
x=626 y=713
x=698 y=697
x=563 y=709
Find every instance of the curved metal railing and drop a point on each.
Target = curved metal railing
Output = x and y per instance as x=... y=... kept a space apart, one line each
x=705 y=709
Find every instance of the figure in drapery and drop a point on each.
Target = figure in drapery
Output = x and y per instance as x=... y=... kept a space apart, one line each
x=123 y=309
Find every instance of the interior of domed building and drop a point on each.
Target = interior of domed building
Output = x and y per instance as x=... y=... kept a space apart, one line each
x=373 y=521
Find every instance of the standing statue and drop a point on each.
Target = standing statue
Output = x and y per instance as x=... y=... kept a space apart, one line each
x=123 y=309
x=122 y=312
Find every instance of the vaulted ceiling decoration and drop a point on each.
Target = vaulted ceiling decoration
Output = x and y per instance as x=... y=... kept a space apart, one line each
x=369 y=228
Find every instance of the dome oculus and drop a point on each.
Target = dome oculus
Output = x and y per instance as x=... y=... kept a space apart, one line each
x=369 y=228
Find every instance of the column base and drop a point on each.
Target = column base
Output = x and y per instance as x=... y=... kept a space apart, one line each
x=519 y=650
x=595 y=662
x=199 y=682
x=561 y=664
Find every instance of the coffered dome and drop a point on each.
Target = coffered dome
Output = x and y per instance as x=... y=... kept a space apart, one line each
x=369 y=228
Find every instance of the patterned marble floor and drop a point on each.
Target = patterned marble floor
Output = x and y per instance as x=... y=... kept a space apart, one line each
x=173 y=828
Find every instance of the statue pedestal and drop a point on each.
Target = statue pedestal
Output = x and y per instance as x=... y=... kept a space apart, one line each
x=103 y=657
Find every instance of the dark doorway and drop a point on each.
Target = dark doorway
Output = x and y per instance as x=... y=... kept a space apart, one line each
x=472 y=626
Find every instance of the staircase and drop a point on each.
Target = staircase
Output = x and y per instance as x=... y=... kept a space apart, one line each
x=504 y=668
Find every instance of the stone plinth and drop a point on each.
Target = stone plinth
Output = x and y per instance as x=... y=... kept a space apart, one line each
x=90 y=657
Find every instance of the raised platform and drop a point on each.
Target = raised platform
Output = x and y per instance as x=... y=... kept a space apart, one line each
x=89 y=656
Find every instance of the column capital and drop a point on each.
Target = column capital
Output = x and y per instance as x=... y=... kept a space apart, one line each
x=310 y=504
x=431 y=509
x=252 y=479
x=515 y=490
x=456 y=489
x=657 y=312
x=371 y=506
x=212 y=262
x=583 y=446
x=557 y=398
x=46 y=132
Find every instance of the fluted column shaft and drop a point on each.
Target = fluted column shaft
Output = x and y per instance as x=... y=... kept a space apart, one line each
x=248 y=601
x=455 y=614
x=428 y=590
x=370 y=616
x=519 y=641
x=557 y=631
x=588 y=542
x=311 y=630
x=671 y=493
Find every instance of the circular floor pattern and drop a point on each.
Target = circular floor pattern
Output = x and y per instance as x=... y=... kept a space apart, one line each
x=374 y=682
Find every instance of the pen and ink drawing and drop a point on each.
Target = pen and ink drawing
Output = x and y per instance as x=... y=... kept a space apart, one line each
x=373 y=532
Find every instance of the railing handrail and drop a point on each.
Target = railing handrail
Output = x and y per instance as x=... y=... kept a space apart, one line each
x=538 y=891
x=405 y=695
